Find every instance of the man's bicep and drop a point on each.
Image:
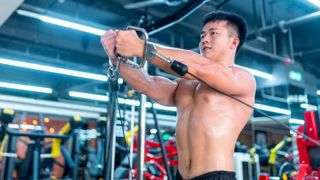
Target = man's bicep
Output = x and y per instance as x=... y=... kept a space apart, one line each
x=163 y=91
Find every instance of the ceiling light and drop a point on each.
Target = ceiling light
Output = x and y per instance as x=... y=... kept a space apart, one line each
x=129 y=102
x=120 y=80
x=296 y=121
x=308 y=107
x=25 y=87
x=315 y=2
x=318 y=92
x=120 y=100
x=272 y=109
x=99 y=32
x=45 y=68
x=161 y=107
x=88 y=96
x=60 y=22
x=24 y=126
x=153 y=131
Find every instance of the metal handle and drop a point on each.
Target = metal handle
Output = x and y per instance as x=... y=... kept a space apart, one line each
x=144 y=59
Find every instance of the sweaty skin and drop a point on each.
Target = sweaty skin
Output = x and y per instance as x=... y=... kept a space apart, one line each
x=208 y=122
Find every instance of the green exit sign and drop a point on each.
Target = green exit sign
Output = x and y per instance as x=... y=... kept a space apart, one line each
x=295 y=75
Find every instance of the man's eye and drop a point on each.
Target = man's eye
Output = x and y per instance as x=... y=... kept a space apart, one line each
x=213 y=33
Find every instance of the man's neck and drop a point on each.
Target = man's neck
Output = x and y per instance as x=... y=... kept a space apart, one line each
x=226 y=61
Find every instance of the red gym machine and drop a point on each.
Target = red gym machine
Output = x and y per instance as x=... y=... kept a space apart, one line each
x=309 y=152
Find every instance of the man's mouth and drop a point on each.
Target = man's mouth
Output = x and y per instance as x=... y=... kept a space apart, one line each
x=204 y=49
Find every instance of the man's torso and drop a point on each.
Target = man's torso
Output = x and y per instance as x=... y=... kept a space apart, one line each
x=208 y=125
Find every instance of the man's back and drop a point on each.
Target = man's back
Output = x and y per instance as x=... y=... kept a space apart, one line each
x=208 y=126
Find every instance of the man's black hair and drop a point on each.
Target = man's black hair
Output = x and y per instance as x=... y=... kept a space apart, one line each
x=234 y=20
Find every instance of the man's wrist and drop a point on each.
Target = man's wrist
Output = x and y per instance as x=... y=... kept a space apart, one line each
x=141 y=49
x=150 y=51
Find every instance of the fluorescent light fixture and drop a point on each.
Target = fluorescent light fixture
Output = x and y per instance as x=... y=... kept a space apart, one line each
x=292 y=133
x=49 y=107
x=308 y=106
x=272 y=109
x=315 y=2
x=296 y=121
x=129 y=102
x=60 y=22
x=51 y=69
x=120 y=80
x=153 y=131
x=25 y=87
x=88 y=96
x=161 y=107
x=99 y=32
x=120 y=100
x=24 y=126
x=318 y=92
x=147 y=104
x=257 y=73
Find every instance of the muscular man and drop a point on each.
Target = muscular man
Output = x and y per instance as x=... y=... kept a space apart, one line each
x=208 y=122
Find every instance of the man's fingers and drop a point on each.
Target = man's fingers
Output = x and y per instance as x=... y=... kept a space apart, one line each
x=108 y=37
x=109 y=33
x=108 y=41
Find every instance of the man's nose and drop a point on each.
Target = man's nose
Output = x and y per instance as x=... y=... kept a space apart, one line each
x=205 y=40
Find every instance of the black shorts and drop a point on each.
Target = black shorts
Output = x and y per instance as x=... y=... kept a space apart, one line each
x=214 y=175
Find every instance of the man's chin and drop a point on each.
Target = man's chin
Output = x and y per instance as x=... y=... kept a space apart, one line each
x=205 y=55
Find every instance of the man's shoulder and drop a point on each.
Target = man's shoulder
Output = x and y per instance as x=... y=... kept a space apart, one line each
x=240 y=69
x=246 y=77
x=243 y=71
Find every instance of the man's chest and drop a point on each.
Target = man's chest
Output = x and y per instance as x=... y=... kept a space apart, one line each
x=191 y=93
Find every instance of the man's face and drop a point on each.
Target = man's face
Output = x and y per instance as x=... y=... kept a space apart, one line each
x=216 y=39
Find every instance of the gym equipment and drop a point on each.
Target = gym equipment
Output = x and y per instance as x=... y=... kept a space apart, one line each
x=273 y=157
x=246 y=167
x=70 y=129
x=154 y=162
x=162 y=147
x=309 y=152
x=110 y=148
x=33 y=153
x=287 y=170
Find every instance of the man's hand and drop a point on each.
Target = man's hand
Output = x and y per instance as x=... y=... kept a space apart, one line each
x=128 y=44
x=108 y=41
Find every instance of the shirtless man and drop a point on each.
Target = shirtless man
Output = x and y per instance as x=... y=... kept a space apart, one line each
x=208 y=123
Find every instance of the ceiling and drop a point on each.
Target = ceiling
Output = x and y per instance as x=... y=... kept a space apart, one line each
x=267 y=48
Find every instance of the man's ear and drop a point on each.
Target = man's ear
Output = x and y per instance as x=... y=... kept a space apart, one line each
x=235 y=42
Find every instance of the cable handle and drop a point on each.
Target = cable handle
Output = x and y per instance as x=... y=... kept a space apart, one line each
x=179 y=68
x=144 y=58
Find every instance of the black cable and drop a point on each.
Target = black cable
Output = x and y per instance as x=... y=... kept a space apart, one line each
x=257 y=110
x=162 y=147
x=122 y=127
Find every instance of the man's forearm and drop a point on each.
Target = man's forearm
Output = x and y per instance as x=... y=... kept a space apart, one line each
x=137 y=79
x=189 y=58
